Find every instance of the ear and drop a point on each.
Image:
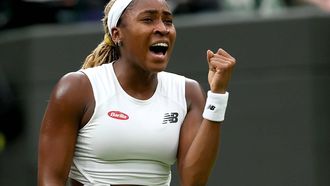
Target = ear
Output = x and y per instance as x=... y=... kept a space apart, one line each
x=116 y=34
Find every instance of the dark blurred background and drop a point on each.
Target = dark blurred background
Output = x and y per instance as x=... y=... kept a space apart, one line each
x=277 y=130
x=19 y=13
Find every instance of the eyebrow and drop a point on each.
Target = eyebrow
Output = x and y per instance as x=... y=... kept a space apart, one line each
x=167 y=13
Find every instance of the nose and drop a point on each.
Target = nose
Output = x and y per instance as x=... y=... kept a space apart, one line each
x=161 y=28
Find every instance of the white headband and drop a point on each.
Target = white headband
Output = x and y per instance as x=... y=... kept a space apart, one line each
x=115 y=12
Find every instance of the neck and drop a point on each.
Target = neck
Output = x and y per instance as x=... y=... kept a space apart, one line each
x=135 y=81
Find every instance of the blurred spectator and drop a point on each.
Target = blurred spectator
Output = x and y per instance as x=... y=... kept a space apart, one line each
x=84 y=10
x=18 y=13
x=240 y=5
x=294 y=2
x=322 y=4
x=264 y=6
x=193 y=6
x=269 y=6
x=28 y=12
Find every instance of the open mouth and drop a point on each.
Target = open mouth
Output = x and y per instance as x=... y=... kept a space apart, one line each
x=159 y=48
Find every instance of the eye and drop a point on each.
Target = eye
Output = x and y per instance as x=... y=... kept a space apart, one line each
x=168 y=21
x=147 y=20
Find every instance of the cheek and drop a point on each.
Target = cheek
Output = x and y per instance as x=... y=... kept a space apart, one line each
x=135 y=41
x=173 y=37
x=173 y=34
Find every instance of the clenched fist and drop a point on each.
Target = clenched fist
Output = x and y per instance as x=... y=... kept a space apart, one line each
x=221 y=65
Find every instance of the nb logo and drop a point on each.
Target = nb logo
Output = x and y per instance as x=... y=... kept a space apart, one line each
x=170 y=118
x=211 y=107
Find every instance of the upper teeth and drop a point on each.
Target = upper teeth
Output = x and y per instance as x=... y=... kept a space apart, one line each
x=161 y=44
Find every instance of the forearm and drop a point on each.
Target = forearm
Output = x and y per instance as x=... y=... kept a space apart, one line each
x=197 y=164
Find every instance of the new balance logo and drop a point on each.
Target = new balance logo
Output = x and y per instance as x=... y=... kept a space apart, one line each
x=170 y=118
x=211 y=107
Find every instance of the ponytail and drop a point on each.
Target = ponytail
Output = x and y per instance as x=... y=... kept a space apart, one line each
x=106 y=51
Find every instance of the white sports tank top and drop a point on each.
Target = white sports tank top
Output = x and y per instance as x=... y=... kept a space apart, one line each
x=127 y=140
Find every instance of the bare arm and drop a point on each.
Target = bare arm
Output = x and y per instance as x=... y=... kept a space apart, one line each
x=62 y=120
x=200 y=138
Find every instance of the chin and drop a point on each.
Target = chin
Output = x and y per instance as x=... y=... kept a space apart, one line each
x=158 y=66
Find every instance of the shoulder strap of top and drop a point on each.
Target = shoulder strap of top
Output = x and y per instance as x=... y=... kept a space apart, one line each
x=101 y=79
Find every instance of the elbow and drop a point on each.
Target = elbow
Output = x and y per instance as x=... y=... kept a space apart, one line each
x=44 y=179
x=191 y=177
x=193 y=182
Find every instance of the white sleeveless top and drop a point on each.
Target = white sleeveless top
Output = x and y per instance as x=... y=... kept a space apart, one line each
x=127 y=140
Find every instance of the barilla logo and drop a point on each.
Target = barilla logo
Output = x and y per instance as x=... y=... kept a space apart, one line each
x=118 y=115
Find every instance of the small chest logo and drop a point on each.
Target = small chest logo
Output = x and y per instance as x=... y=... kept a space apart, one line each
x=118 y=115
x=170 y=118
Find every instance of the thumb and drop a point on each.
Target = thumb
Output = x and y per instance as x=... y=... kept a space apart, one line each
x=210 y=54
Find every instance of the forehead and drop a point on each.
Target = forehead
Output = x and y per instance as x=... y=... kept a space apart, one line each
x=140 y=6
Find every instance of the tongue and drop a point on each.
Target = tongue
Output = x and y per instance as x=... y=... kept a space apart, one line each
x=157 y=52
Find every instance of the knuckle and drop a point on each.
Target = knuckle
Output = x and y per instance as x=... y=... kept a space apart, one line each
x=233 y=60
x=228 y=65
x=225 y=65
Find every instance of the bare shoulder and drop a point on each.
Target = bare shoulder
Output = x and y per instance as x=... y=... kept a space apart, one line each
x=192 y=84
x=71 y=100
x=71 y=85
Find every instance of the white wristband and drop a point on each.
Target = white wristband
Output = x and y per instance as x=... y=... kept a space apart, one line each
x=215 y=106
